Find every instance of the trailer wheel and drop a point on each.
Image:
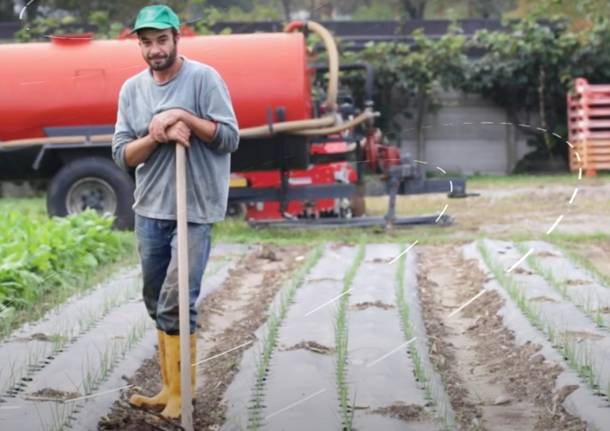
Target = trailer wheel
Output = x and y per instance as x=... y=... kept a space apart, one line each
x=95 y=183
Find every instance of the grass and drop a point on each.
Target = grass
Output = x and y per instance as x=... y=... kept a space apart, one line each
x=471 y=215
x=520 y=180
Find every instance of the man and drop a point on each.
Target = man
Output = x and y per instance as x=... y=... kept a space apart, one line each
x=175 y=101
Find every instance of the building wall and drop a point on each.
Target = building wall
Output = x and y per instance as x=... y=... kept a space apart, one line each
x=455 y=145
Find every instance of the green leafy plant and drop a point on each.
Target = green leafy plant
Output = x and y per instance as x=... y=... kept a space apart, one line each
x=41 y=256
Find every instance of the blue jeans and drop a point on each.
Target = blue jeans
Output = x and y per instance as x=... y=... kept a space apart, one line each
x=157 y=246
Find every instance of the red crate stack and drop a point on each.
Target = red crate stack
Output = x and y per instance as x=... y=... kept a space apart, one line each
x=589 y=127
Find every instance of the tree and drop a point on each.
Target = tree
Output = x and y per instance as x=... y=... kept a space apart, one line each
x=489 y=8
x=414 y=8
x=581 y=13
x=124 y=11
x=286 y=5
x=7 y=10
x=406 y=75
x=528 y=68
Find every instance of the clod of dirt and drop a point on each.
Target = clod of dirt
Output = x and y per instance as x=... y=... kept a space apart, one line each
x=561 y=394
x=545 y=254
x=268 y=254
x=543 y=299
x=402 y=411
x=368 y=304
x=48 y=394
x=312 y=346
x=577 y=282
x=519 y=270
x=502 y=400
x=39 y=336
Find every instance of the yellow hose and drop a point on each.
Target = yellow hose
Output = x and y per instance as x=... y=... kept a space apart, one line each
x=361 y=118
x=331 y=96
x=333 y=60
x=288 y=126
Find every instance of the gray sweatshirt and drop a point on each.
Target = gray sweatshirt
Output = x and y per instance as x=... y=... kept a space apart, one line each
x=196 y=88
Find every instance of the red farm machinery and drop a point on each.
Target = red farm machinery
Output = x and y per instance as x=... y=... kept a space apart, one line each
x=300 y=162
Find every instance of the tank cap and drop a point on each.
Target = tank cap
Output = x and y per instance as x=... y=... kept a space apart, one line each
x=72 y=39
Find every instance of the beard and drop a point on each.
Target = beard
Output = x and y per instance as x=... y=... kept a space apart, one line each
x=163 y=62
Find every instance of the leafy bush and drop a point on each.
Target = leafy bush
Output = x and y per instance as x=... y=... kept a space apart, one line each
x=527 y=68
x=39 y=255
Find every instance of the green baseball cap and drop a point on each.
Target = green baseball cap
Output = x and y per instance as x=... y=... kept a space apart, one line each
x=156 y=16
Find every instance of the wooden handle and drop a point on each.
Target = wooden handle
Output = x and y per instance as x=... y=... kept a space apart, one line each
x=183 y=287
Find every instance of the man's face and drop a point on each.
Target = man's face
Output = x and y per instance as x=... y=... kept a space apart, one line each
x=158 y=48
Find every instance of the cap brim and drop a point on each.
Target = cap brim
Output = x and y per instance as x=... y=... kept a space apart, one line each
x=154 y=26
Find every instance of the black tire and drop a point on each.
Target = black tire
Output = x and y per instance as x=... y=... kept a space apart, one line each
x=92 y=182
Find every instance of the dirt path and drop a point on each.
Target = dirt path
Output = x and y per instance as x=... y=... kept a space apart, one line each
x=493 y=383
x=228 y=319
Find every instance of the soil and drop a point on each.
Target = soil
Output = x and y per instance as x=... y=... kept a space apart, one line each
x=364 y=305
x=49 y=394
x=577 y=282
x=599 y=255
x=542 y=299
x=492 y=382
x=228 y=318
x=405 y=412
x=312 y=346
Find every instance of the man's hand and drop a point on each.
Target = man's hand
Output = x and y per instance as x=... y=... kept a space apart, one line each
x=179 y=133
x=160 y=124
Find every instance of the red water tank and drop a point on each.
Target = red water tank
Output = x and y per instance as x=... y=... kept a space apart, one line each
x=76 y=81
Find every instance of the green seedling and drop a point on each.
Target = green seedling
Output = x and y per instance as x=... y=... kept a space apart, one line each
x=341 y=340
x=578 y=359
x=270 y=337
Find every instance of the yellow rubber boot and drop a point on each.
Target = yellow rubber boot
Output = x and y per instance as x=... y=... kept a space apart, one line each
x=172 y=350
x=161 y=398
